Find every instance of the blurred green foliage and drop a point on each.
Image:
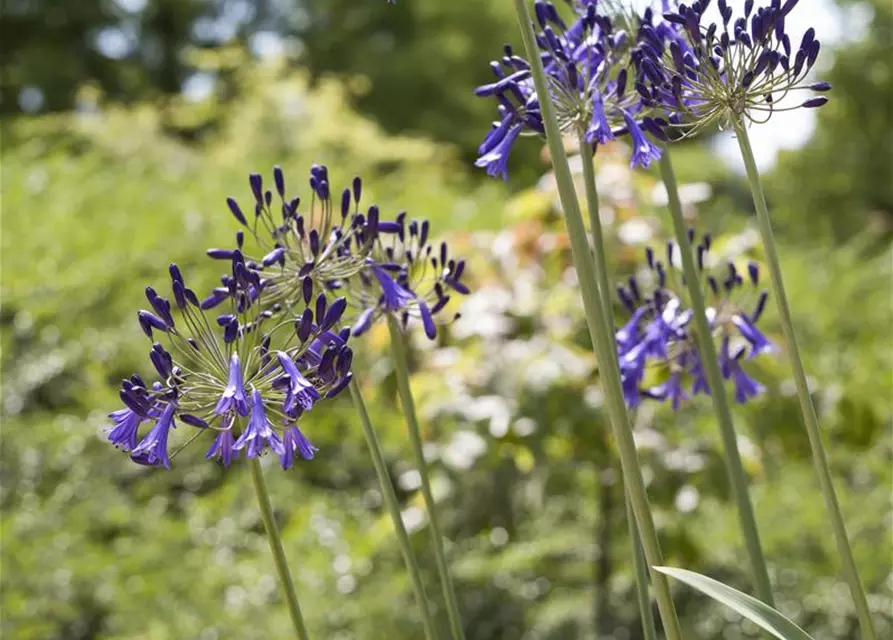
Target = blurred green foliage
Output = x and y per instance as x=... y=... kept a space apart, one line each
x=96 y=202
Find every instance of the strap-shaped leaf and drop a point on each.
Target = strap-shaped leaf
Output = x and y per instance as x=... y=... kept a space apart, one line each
x=760 y=614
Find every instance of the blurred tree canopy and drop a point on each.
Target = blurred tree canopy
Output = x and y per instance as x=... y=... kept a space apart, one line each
x=841 y=182
x=412 y=66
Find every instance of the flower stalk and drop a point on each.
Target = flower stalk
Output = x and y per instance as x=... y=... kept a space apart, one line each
x=704 y=335
x=640 y=566
x=599 y=331
x=390 y=498
x=640 y=569
x=820 y=460
x=285 y=580
x=401 y=367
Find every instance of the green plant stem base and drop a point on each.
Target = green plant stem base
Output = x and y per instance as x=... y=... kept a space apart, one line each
x=285 y=581
x=401 y=368
x=393 y=505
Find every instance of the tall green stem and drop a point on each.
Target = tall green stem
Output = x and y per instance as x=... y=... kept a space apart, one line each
x=600 y=332
x=599 y=251
x=390 y=498
x=820 y=460
x=398 y=352
x=640 y=568
x=595 y=224
x=704 y=335
x=288 y=586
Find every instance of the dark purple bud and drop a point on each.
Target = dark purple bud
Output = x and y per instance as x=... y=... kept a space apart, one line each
x=333 y=315
x=274 y=256
x=821 y=86
x=814 y=103
x=161 y=364
x=257 y=187
x=149 y=321
x=625 y=299
x=357 y=189
x=236 y=210
x=314 y=242
x=341 y=386
x=761 y=306
x=345 y=202
x=754 y=271
x=344 y=361
x=179 y=294
x=634 y=288
x=326 y=362
x=305 y=325
x=193 y=421
x=231 y=331
x=279 y=179
x=133 y=402
x=321 y=303
x=649 y=257
x=220 y=254
x=217 y=296
x=307 y=289
x=176 y=276
x=457 y=286
x=388 y=227
x=427 y=321
x=439 y=305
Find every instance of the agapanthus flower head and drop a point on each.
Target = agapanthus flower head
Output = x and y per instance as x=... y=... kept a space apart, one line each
x=659 y=334
x=739 y=69
x=585 y=62
x=219 y=375
x=407 y=276
x=305 y=246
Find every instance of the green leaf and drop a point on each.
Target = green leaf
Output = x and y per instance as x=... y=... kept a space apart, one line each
x=760 y=614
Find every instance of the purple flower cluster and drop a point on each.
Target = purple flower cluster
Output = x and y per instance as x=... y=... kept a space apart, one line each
x=719 y=73
x=659 y=334
x=380 y=266
x=407 y=275
x=586 y=64
x=234 y=376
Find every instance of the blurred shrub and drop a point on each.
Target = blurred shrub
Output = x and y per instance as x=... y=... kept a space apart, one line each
x=98 y=202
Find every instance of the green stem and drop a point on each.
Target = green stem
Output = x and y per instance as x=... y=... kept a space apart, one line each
x=592 y=201
x=850 y=572
x=710 y=363
x=595 y=223
x=398 y=352
x=600 y=332
x=288 y=586
x=640 y=568
x=390 y=498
